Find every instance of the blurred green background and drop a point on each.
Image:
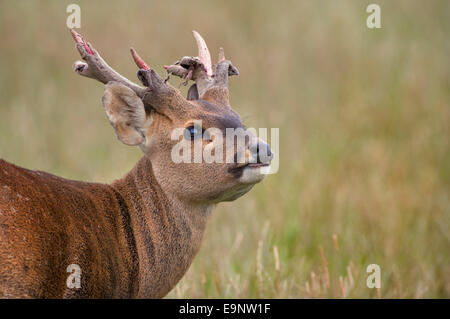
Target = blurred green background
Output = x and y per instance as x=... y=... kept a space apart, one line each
x=364 y=132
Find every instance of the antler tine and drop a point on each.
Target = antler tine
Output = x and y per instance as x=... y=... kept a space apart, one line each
x=224 y=69
x=96 y=68
x=232 y=70
x=203 y=53
x=199 y=69
x=137 y=59
x=221 y=55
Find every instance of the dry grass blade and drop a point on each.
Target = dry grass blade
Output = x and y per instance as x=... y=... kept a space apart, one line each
x=335 y=242
x=325 y=267
x=342 y=287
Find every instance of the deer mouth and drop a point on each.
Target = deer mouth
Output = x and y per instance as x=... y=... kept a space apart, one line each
x=252 y=173
x=243 y=166
x=255 y=165
x=239 y=168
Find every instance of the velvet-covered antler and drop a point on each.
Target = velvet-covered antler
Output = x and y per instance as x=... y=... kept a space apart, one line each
x=96 y=68
x=156 y=91
x=208 y=85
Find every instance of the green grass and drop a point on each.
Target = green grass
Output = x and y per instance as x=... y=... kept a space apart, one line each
x=364 y=131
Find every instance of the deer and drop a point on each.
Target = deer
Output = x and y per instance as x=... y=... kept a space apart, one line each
x=137 y=236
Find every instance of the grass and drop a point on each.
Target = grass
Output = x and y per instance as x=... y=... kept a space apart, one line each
x=364 y=136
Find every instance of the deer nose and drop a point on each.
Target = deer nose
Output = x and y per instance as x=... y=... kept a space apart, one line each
x=261 y=151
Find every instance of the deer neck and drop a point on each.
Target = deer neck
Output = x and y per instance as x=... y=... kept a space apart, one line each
x=167 y=230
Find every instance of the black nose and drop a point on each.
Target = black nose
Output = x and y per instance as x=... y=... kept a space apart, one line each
x=262 y=151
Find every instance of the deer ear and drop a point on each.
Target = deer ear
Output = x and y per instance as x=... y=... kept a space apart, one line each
x=126 y=113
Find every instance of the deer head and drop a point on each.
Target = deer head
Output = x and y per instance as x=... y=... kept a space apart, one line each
x=146 y=116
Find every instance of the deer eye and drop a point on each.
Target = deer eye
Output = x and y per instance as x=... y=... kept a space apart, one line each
x=192 y=132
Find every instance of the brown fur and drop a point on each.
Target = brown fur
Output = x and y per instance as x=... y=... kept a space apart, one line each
x=128 y=238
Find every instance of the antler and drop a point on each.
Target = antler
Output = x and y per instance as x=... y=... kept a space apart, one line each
x=96 y=68
x=156 y=92
x=199 y=69
x=203 y=53
x=208 y=86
